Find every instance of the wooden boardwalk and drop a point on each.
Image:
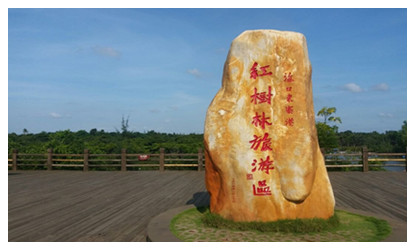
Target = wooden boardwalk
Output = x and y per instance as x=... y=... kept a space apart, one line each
x=117 y=206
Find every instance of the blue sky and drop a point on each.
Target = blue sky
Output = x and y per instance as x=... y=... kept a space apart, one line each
x=81 y=69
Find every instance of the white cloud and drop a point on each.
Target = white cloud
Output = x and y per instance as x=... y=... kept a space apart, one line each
x=106 y=51
x=385 y=115
x=194 y=72
x=55 y=115
x=381 y=87
x=155 y=110
x=352 y=87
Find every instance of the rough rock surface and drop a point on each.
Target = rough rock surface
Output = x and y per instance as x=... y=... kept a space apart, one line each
x=263 y=161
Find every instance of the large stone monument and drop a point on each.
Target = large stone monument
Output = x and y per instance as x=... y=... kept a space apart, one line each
x=263 y=161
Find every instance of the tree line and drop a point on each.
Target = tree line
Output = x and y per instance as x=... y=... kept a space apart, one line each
x=330 y=138
x=101 y=142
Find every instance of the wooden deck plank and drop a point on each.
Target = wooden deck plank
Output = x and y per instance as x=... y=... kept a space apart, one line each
x=380 y=192
x=117 y=206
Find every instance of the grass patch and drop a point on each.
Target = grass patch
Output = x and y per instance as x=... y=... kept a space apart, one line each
x=285 y=226
x=382 y=228
x=198 y=224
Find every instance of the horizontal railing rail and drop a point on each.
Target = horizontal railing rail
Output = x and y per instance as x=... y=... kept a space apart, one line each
x=122 y=161
x=363 y=161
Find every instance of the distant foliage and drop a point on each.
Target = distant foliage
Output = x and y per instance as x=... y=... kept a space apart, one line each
x=101 y=142
x=329 y=138
x=328 y=135
x=388 y=142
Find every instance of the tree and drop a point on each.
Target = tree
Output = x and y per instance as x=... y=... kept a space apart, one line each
x=327 y=135
x=25 y=132
x=124 y=125
x=327 y=112
x=402 y=145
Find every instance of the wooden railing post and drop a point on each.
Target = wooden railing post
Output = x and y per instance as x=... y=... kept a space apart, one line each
x=49 y=160
x=199 y=159
x=14 y=157
x=406 y=159
x=365 y=159
x=406 y=163
x=161 y=159
x=123 y=159
x=86 y=160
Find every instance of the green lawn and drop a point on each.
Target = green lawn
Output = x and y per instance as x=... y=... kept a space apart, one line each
x=197 y=224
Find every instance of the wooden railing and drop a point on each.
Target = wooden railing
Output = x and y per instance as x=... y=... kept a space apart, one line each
x=122 y=161
x=363 y=161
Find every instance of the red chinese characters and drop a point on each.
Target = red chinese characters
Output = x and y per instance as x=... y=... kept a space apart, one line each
x=233 y=190
x=289 y=98
x=289 y=109
x=262 y=97
x=254 y=71
x=143 y=157
x=289 y=122
x=264 y=165
x=288 y=77
x=263 y=142
x=260 y=120
x=262 y=188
